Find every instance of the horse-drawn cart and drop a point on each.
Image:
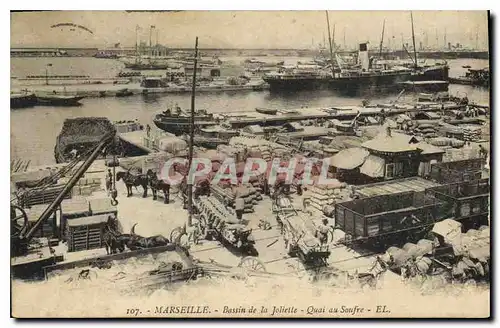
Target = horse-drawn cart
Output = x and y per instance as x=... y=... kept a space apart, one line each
x=215 y=222
x=299 y=234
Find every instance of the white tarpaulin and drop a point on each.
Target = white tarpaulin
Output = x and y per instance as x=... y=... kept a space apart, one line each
x=373 y=166
x=349 y=159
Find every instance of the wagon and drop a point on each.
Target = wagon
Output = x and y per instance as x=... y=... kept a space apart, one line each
x=465 y=170
x=215 y=223
x=393 y=218
x=467 y=201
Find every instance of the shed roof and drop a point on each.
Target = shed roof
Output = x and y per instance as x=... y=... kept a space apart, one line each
x=349 y=159
x=399 y=142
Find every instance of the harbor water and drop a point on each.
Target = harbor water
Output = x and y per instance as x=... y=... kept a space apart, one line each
x=34 y=130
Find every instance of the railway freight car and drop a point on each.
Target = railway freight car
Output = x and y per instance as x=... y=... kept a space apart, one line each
x=468 y=201
x=389 y=219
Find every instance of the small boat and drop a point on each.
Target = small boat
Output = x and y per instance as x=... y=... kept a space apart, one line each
x=124 y=93
x=466 y=66
x=59 y=100
x=267 y=111
x=22 y=100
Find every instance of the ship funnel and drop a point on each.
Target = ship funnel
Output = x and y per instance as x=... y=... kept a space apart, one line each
x=363 y=59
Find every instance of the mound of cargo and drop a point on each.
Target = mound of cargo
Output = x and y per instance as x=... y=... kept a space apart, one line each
x=228 y=195
x=323 y=196
x=79 y=135
x=447 y=142
x=453 y=254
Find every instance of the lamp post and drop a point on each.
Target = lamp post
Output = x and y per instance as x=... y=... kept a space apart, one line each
x=47 y=73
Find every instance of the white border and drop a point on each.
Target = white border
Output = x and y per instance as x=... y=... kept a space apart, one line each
x=187 y=5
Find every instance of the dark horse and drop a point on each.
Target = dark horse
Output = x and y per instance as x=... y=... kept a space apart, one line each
x=134 y=241
x=131 y=180
x=157 y=184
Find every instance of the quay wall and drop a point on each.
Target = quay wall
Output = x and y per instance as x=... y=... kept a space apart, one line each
x=102 y=90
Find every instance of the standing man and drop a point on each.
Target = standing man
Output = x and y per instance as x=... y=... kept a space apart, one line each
x=109 y=181
x=322 y=232
x=239 y=205
x=148 y=130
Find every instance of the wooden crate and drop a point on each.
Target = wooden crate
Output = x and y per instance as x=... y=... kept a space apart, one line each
x=86 y=233
x=43 y=197
x=74 y=208
x=100 y=206
x=48 y=228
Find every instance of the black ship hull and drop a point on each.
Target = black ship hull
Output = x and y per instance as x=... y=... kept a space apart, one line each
x=22 y=101
x=355 y=84
x=59 y=101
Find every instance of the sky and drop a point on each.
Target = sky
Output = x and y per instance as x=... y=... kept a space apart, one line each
x=245 y=29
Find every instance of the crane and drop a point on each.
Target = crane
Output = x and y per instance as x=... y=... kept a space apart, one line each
x=21 y=236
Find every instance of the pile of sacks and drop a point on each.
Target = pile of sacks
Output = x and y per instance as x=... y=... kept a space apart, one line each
x=447 y=142
x=321 y=196
x=472 y=133
x=426 y=130
x=228 y=194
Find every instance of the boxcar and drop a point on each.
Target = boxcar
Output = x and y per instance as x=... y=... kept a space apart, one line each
x=392 y=217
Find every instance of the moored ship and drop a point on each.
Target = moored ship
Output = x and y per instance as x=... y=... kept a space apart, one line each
x=177 y=121
x=22 y=100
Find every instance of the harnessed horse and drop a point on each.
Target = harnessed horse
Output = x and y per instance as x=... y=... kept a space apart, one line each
x=156 y=184
x=131 y=180
x=371 y=277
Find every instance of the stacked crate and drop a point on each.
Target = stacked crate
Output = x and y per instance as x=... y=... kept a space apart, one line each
x=86 y=186
x=44 y=196
x=48 y=228
x=99 y=206
x=71 y=209
x=86 y=233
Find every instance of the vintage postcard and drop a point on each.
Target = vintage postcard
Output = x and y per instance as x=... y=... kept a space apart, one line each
x=257 y=164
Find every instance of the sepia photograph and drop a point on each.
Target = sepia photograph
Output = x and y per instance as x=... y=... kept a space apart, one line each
x=250 y=164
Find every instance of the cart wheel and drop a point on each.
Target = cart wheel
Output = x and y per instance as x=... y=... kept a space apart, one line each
x=18 y=220
x=176 y=234
x=330 y=236
x=252 y=263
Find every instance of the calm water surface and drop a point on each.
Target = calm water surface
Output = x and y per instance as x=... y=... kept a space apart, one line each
x=34 y=130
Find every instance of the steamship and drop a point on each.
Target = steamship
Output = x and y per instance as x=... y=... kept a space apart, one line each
x=367 y=74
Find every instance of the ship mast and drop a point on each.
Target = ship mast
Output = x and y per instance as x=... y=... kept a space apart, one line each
x=191 y=138
x=413 y=38
x=382 y=40
x=330 y=42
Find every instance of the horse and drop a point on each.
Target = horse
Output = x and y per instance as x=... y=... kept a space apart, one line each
x=371 y=277
x=157 y=184
x=134 y=241
x=112 y=243
x=131 y=180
